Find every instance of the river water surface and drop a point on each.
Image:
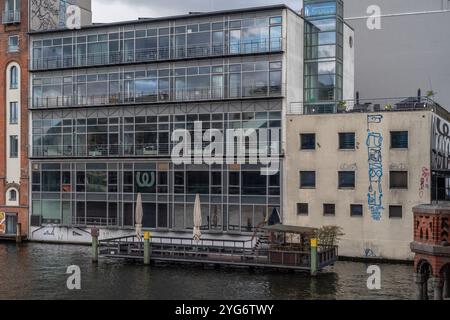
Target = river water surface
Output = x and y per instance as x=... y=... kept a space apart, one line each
x=38 y=271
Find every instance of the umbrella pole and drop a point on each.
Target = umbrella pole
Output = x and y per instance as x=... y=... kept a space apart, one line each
x=146 y=248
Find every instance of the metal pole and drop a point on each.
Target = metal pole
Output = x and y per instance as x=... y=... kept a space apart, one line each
x=19 y=233
x=313 y=257
x=146 y=248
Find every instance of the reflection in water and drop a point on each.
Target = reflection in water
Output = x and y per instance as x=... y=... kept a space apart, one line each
x=38 y=271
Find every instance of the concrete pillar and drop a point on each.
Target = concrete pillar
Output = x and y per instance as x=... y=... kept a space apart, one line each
x=446 y=291
x=146 y=248
x=94 y=234
x=314 y=257
x=421 y=282
x=19 y=233
x=438 y=285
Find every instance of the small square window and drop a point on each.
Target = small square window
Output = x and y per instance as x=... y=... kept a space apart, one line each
x=13 y=44
x=307 y=179
x=346 y=179
x=302 y=209
x=399 y=139
x=347 y=141
x=356 y=210
x=395 y=212
x=329 y=209
x=307 y=141
x=399 y=179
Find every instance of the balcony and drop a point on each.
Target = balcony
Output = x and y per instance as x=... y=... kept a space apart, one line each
x=11 y=17
x=155 y=55
x=161 y=96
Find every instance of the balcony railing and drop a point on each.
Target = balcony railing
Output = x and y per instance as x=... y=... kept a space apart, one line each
x=161 y=54
x=10 y=17
x=364 y=106
x=131 y=150
x=161 y=96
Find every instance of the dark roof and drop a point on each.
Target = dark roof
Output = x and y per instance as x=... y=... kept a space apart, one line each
x=289 y=229
x=176 y=17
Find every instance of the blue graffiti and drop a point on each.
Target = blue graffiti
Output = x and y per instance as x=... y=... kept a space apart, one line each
x=374 y=144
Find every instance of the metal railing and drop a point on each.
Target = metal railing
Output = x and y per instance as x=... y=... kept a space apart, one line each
x=137 y=150
x=363 y=106
x=170 y=95
x=153 y=54
x=9 y=17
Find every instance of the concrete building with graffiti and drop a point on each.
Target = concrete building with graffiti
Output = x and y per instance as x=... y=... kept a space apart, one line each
x=365 y=168
x=106 y=100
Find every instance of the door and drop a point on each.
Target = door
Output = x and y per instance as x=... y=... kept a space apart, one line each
x=11 y=224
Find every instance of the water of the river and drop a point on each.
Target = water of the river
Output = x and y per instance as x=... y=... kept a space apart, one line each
x=38 y=271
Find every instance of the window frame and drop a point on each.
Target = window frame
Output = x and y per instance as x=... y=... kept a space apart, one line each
x=12 y=120
x=302 y=148
x=303 y=205
x=329 y=205
x=341 y=135
x=302 y=186
x=13 y=48
x=15 y=154
x=346 y=187
x=403 y=187
x=399 y=147
x=391 y=216
x=352 y=214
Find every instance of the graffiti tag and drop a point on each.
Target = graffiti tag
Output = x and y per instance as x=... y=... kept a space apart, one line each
x=374 y=145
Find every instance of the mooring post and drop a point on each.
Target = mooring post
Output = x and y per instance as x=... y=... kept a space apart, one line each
x=146 y=248
x=94 y=234
x=313 y=256
x=19 y=233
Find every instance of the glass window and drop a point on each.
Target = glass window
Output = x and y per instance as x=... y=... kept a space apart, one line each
x=308 y=141
x=395 y=212
x=13 y=43
x=302 y=209
x=51 y=181
x=13 y=146
x=13 y=113
x=356 y=210
x=399 y=179
x=12 y=195
x=307 y=179
x=96 y=181
x=329 y=209
x=346 y=179
x=253 y=183
x=347 y=141
x=14 y=78
x=399 y=139
x=198 y=182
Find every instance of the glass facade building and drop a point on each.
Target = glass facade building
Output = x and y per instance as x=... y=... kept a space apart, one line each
x=323 y=78
x=106 y=100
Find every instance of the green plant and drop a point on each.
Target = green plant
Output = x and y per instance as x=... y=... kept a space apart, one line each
x=329 y=236
x=430 y=94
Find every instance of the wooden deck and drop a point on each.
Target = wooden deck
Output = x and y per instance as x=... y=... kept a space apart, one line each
x=232 y=253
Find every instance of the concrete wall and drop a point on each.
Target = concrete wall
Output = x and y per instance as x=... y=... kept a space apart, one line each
x=349 y=64
x=364 y=236
x=410 y=51
x=51 y=14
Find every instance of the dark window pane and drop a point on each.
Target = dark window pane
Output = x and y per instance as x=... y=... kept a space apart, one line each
x=346 y=141
x=234 y=179
x=329 y=209
x=356 y=210
x=399 y=180
x=395 y=212
x=302 y=209
x=346 y=179
x=308 y=141
x=399 y=139
x=307 y=179
x=198 y=182
x=253 y=183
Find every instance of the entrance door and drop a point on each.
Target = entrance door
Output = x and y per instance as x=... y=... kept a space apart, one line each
x=11 y=223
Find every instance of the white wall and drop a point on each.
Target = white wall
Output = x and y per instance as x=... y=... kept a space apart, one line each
x=12 y=95
x=364 y=236
x=349 y=64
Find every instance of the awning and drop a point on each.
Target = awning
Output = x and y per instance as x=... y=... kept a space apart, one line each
x=289 y=229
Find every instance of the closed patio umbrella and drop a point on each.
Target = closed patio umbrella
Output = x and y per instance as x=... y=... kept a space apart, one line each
x=197 y=218
x=138 y=216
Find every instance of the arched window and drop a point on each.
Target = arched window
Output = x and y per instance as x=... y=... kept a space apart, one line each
x=14 y=77
x=12 y=195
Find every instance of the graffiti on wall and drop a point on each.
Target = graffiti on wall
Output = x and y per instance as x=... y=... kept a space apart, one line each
x=440 y=144
x=47 y=14
x=424 y=181
x=375 y=159
x=2 y=223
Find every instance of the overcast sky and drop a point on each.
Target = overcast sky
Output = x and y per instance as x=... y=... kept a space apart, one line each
x=120 y=10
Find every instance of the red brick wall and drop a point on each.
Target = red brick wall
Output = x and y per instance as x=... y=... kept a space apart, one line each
x=21 y=58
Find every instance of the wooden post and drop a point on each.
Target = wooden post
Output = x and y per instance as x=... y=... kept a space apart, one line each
x=19 y=233
x=313 y=257
x=146 y=248
x=94 y=234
